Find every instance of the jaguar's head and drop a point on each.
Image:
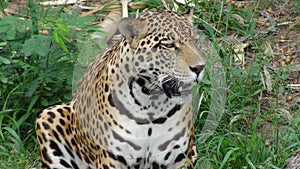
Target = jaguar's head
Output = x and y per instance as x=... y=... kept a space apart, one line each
x=161 y=47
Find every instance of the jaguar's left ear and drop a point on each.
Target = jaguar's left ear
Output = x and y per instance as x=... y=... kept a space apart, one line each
x=132 y=29
x=189 y=14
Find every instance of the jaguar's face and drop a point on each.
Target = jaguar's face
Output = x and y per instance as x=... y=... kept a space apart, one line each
x=168 y=63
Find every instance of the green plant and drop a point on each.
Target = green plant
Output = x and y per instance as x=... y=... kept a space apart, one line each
x=251 y=132
x=37 y=59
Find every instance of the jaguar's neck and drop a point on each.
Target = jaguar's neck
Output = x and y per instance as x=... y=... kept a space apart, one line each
x=149 y=122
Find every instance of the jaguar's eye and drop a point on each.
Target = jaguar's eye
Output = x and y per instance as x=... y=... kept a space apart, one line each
x=169 y=45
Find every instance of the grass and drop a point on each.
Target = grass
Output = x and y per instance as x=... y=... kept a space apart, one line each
x=20 y=161
x=245 y=120
x=253 y=132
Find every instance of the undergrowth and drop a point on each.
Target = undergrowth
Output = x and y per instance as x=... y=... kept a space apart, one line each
x=37 y=58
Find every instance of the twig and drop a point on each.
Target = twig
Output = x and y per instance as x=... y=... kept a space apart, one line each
x=114 y=7
x=124 y=8
x=86 y=7
x=294 y=86
x=284 y=23
x=165 y=4
x=59 y=2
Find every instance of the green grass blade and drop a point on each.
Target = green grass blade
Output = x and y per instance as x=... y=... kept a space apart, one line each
x=227 y=156
x=249 y=161
x=15 y=138
x=28 y=112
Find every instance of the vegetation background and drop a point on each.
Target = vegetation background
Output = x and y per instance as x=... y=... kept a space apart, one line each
x=258 y=45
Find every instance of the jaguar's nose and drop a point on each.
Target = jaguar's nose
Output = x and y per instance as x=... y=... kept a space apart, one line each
x=197 y=69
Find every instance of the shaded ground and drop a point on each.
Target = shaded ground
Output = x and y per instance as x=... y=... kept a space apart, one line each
x=278 y=32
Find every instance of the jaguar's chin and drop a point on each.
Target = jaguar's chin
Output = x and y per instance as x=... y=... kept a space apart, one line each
x=184 y=97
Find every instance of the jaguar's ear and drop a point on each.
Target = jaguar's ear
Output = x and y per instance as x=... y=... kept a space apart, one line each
x=189 y=14
x=132 y=29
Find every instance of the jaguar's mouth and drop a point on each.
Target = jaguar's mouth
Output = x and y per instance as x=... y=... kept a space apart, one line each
x=175 y=88
x=172 y=88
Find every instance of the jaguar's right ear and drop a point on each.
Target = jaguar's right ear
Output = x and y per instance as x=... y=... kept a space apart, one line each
x=132 y=29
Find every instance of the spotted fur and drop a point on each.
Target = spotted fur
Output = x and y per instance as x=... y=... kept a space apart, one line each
x=294 y=161
x=133 y=109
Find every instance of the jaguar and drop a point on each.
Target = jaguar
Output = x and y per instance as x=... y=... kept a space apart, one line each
x=294 y=161
x=133 y=109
